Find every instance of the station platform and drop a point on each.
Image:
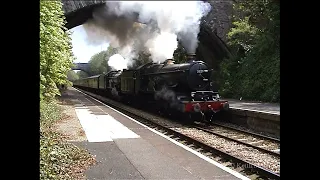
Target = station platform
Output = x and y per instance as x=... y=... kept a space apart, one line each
x=127 y=149
x=258 y=116
x=267 y=108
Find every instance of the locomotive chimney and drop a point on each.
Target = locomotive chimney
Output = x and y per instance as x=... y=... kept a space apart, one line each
x=191 y=57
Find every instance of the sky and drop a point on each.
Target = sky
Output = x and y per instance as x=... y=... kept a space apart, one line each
x=80 y=48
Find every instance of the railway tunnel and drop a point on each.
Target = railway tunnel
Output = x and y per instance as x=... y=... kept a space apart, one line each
x=212 y=46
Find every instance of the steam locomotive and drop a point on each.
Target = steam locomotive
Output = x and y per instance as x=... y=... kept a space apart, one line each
x=171 y=88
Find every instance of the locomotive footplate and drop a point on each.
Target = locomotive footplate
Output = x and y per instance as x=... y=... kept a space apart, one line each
x=207 y=106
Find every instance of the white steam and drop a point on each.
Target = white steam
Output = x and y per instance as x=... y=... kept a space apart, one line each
x=165 y=22
x=163 y=46
x=117 y=62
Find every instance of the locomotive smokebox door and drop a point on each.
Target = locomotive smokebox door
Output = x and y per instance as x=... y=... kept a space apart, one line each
x=199 y=76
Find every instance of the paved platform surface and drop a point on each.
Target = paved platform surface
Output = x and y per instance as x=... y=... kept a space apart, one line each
x=270 y=108
x=127 y=149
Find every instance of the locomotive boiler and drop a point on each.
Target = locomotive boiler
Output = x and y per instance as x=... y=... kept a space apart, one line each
x=186 y=77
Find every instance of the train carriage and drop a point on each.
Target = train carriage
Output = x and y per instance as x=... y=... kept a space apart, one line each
x=93 y=81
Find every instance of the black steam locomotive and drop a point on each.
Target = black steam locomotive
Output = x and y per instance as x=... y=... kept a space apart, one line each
x=185 y=88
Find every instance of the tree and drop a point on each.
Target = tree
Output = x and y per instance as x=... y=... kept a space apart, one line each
x=82 y=74
x=99 y=62
x=96 y=63
x=180 y=54
x=255 y=72
x=56 y=57
x=72 y=76
x=143 y=58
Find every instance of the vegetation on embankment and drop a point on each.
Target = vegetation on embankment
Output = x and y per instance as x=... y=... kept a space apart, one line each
x=58 y=159
x=254 y=72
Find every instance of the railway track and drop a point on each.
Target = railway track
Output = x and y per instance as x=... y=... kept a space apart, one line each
x=242 y=166
x=219 y=124
x=262 y=143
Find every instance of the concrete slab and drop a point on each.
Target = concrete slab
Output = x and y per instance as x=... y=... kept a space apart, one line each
x=151 y=163
x=112 y=162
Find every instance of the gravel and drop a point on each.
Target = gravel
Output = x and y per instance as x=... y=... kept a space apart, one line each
x=269 y=145
x=246 y=153
x=248 y=129
x=70 y=126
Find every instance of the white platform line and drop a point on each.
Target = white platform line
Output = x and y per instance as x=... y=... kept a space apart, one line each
x=116 y=129
x=102 y=128
x=91 y=126
x=254 y=110
x=238 y=175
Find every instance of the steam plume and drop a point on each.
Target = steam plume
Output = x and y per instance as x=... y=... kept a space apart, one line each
x=165 y=22
x=117 y=62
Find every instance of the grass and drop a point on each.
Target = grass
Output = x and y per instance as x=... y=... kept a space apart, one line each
x=58 y=158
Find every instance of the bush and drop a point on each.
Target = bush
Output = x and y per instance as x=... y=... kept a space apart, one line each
x=61 y=160
x=49 y=112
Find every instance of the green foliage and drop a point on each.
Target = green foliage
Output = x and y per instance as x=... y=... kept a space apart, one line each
x=55 y=49
x=142 y=58
x=72 y=76
x=180 y=54
x=82 y=74
x=254 y=73
x=99 y=62
x=49 y=112
x=58 y=159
